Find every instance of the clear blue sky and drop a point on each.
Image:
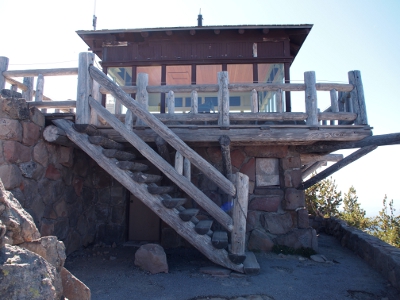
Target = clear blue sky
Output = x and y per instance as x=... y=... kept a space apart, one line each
x=347 y=35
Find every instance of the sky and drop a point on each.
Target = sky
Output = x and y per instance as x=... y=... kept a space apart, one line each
x=347 y=35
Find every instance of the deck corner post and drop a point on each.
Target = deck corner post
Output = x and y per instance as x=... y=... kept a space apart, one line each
x=84 y=90
x=3 y=67
x=142 y=96
x=357 y=98
x=239 y=215
x=311 y=98
x=223 y=99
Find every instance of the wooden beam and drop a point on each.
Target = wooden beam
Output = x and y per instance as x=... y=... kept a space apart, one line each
x=307 y=159
x=194 y=102
x=3 y=67
x=225 y=142
x=336 y=167
x=254 y=101
x=311 y=99
x=312 y=168
x=162 y=148
x=44 y=72
x=223 y=99
x=53 y=104
x=28 y=94
x=142 y=96
x=357 y=96
x=165 y=167
x=165 y=132
x=39 y=88
x=84 y=89
x=327 y=147
x=53 y=134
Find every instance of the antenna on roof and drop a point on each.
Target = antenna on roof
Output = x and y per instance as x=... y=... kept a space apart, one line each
x=94 y=16
x=200 y=19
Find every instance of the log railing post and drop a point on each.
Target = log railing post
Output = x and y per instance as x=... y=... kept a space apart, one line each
x=223 y=99
x=142 y=96
x=334 y=103
x=28 y=93
x=171 y=102
x=179 y=162
x=3 y=67
x=357 y=97
x=84 y=90
x=96 y=95
x=195 y=102
x=279 y=101
x=311 y=98
x=239 y=216
x=254 y=101
x=39 y=90
x=187 y=169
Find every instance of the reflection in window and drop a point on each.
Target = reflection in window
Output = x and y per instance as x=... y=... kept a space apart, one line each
x=122 y=76
x=154 y=73
x=270 y=73
x=207 y=74
x=240 y=73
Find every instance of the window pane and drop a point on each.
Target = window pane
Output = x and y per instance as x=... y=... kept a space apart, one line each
x=122 y=76
x=207 y=74
x=242 y=73
x=154 y=73
x=179 y=75
x=270 y=73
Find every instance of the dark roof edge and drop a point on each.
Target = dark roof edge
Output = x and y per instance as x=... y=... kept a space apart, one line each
x=221 y=27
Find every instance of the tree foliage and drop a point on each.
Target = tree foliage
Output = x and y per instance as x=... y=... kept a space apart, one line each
x=352 y=212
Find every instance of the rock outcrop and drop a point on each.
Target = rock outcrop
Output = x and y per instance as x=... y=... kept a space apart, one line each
x=151 y=258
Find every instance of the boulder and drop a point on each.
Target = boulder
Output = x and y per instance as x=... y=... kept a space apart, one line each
x=151 y=258
x=260 y=241
x=299 y=238
x=26 y=275
x=73 y=288
x=276 y=223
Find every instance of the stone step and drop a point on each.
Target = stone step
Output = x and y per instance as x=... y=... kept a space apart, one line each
x=203 y=226
x=145 y=178
x=251 y=265
x=120 y=155
x=187 y=214
x=220 y=239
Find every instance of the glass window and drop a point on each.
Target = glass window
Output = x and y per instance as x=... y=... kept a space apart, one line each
x=122 y=76
x=207 y=74
x=154 y=73
x=240 y=73
x=270 y=73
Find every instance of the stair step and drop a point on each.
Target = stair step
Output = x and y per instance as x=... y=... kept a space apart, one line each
x=187 y=214
x=251 y=265
x=120 y=155
x=89 y=130
x=157 y=190
x=105 y=142
x=133 y=166
x=236 y=258
x=173 y=202
x=145 y=178
x=203 y=226
x=220 y=239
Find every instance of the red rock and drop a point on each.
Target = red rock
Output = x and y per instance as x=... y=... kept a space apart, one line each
x=66 y=156
x=11 y=176
x=73 y=288
x=249 y=169
x=293 y=178
x=31 y=133
x=15 y=152
x=10 y=130
x=294 y=199
x=269 y=204
x=237 y=158
x=266 y=151
x=40 y=154
x=52 y=173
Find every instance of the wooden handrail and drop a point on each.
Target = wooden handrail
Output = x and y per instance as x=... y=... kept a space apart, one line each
x=185 y=184
x=164 y=132
x=44 y=72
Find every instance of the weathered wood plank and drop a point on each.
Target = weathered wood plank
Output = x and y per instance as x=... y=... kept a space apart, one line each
x=279 y=101
x=185 y=229
x=28 y=93
x=307 y=158
x=44 y=72
x=171 y=102
x=311 y=99
x=158 y=190
x=145 y=178
x=334 y=103
x=223 y=99
x=239 y=216
x=132 y=166
x=357 y=96
x=195 y=102
x=339 y=165
x=220 y=239
x=198 y=196
x=187 y=168
x=342 y=116
x=312 y=168
x=173 y=202
x=142 y=96
x=54 y=104
x=225 y=142
x=105 y=142
x=251 y=265
x=39 y=88
x=89 y=130
x=120 y=155
x=84 y=89
x=3 y=67
x=179 y=162
x=327 y=147
x=341 y=87
x=94 y=119
x=203 y=226
x=162 y=148
x=165 y=133
x=254 y=101
x=187 y=214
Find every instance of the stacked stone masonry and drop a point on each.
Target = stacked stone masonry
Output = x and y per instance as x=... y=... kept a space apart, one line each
x=65 y=191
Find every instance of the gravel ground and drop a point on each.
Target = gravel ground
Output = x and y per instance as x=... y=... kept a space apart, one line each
x=110 y=273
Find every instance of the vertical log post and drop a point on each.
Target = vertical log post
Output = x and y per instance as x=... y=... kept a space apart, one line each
x=195 y=102
x=239 y=215
x=84 y=90
x=187 y=169
x=3 y=67
x=311 y=98
x=39 y=90
x=96 y=95
x=179 y=162
x=279 y=101
x=171 y=102
x=225 y=142
x=28 y=94
x=142 y=96
x=357 y=96
x=14 y=88
x=117 y=107
x=334 y=104
x=254 y=101
x=162 y=148
x=223 y=99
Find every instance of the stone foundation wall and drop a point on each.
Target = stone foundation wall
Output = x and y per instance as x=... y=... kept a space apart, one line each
x=381 y=256
x=66 y=192
x=277 y=213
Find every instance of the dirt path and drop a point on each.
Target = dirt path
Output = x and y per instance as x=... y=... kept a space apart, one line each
x=111 y=274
